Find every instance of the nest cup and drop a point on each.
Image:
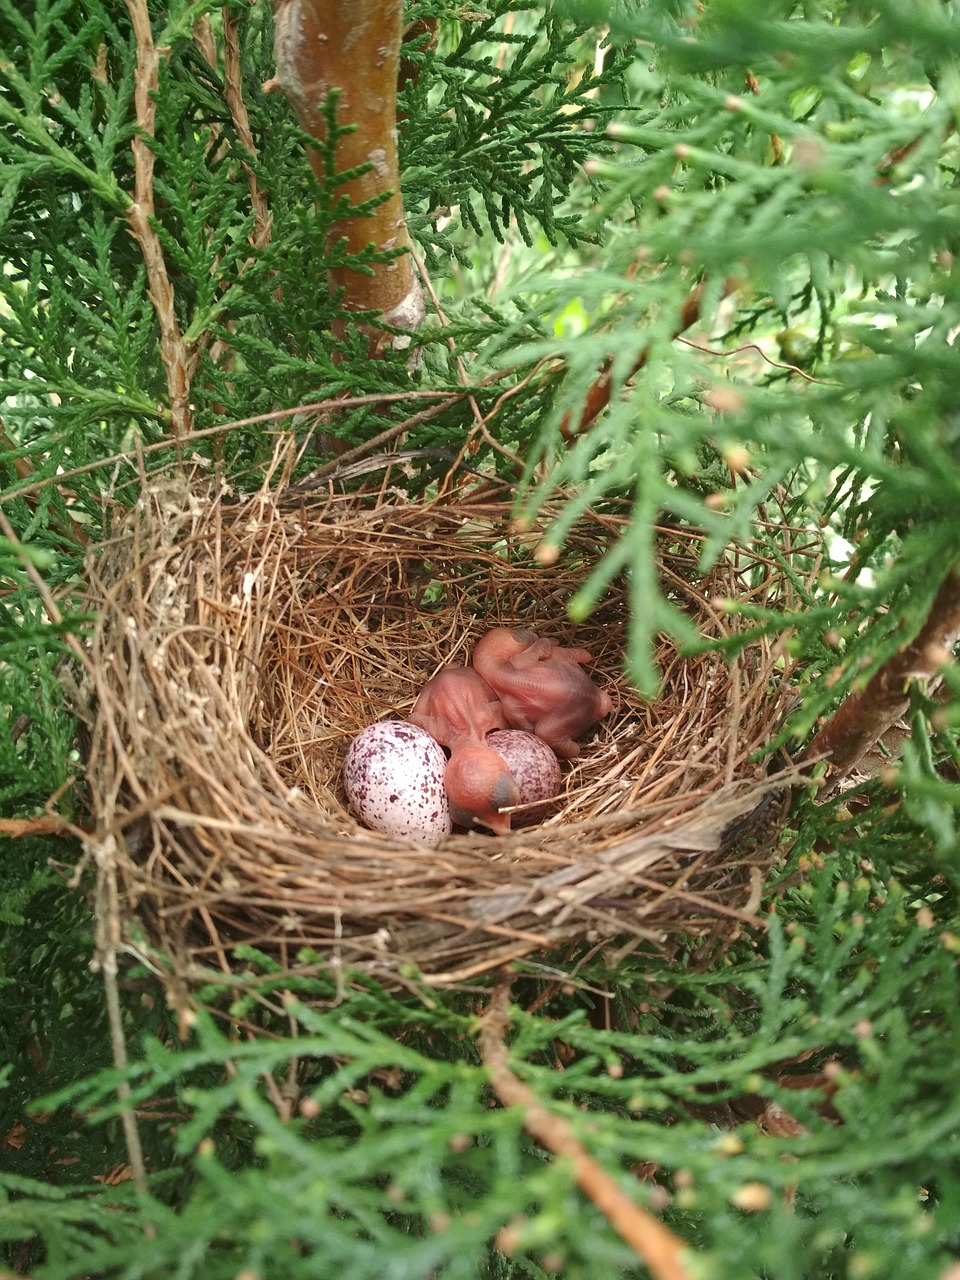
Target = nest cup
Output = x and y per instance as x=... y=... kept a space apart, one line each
x=242 y=642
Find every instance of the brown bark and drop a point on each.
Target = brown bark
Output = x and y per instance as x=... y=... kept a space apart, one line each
x=49 y=825
x=865 y=716
x=179 y=361
x=353 y=47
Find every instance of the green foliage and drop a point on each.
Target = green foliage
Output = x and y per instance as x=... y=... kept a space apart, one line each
x=396 y=1164
x=571 y=172
x=502 y=106
x=808 y=154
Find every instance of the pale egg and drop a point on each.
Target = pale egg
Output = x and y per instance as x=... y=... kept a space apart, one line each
x=393 y=777
x=534 y=767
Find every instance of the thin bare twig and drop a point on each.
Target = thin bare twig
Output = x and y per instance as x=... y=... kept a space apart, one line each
x=659 y=1248
x=574 y=423
x=49 y=825
x=179 y=362
x=752 y=346
x=46 y=596
x=233 y=96
x=233 y=93
x=109 y=941
x=479 y=419
x=276 y=415
x=24 y=469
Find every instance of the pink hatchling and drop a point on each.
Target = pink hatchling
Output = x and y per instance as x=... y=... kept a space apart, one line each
x=458 y=708
x=542 y=687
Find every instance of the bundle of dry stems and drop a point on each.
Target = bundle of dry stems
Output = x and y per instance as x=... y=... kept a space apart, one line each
x=243 y=641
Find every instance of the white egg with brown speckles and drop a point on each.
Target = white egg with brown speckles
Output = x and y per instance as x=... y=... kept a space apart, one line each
x=393 y=777
x=534 y=767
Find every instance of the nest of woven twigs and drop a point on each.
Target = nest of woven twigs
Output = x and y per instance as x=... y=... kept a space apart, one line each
x=242 y=642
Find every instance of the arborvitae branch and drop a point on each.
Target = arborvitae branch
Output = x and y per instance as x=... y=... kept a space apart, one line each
x=353 y=47
x=598 y=397
x=178 y=365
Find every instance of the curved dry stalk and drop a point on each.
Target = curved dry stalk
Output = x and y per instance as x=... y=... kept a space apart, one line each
x=659 y=1248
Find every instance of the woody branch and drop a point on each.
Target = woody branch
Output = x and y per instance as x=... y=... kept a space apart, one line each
x=179 y=362
x=865 y=716
x=353 y=47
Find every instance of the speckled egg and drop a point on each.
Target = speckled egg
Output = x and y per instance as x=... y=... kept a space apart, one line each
x=534 y=767
x=393 y=777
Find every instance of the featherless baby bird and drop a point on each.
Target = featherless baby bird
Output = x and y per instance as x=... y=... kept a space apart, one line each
x=479 y=786
x=542 y=687
x=457 y=703
x=458 y=708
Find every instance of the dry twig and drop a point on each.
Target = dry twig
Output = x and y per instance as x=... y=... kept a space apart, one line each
x=597 y=398
x=179 y=360
x=49 y=825
x=659 y=1248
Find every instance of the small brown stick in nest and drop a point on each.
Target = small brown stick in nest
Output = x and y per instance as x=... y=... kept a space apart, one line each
x=659 y=1248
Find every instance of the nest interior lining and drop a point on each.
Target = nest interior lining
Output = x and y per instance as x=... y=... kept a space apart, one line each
x=242 y=644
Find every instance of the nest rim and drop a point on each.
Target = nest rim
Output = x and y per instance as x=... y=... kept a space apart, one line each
x=214 y=761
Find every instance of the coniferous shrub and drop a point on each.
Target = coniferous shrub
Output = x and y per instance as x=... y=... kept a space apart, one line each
x=744 y=218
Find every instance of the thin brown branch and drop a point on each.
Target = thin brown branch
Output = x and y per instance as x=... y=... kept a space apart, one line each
x=659 y=1248
x=409 y=71
x=109 y=939
x=752 y=346
x=233 y=92
x=275 y=415
x=50 y=825
x=43 y=591
x=776 y=142
x=178 y=362
x=24 y=469
x=22 y=466
x=220 y=350
x=352 y=47
x=865 y=716
x=467 y=446
x=598 y=397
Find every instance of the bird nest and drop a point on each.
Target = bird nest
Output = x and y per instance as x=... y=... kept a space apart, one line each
x=242 y=642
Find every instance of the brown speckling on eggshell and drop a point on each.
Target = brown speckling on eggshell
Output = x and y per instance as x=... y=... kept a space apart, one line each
x=393 y=777
x=534 y=767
